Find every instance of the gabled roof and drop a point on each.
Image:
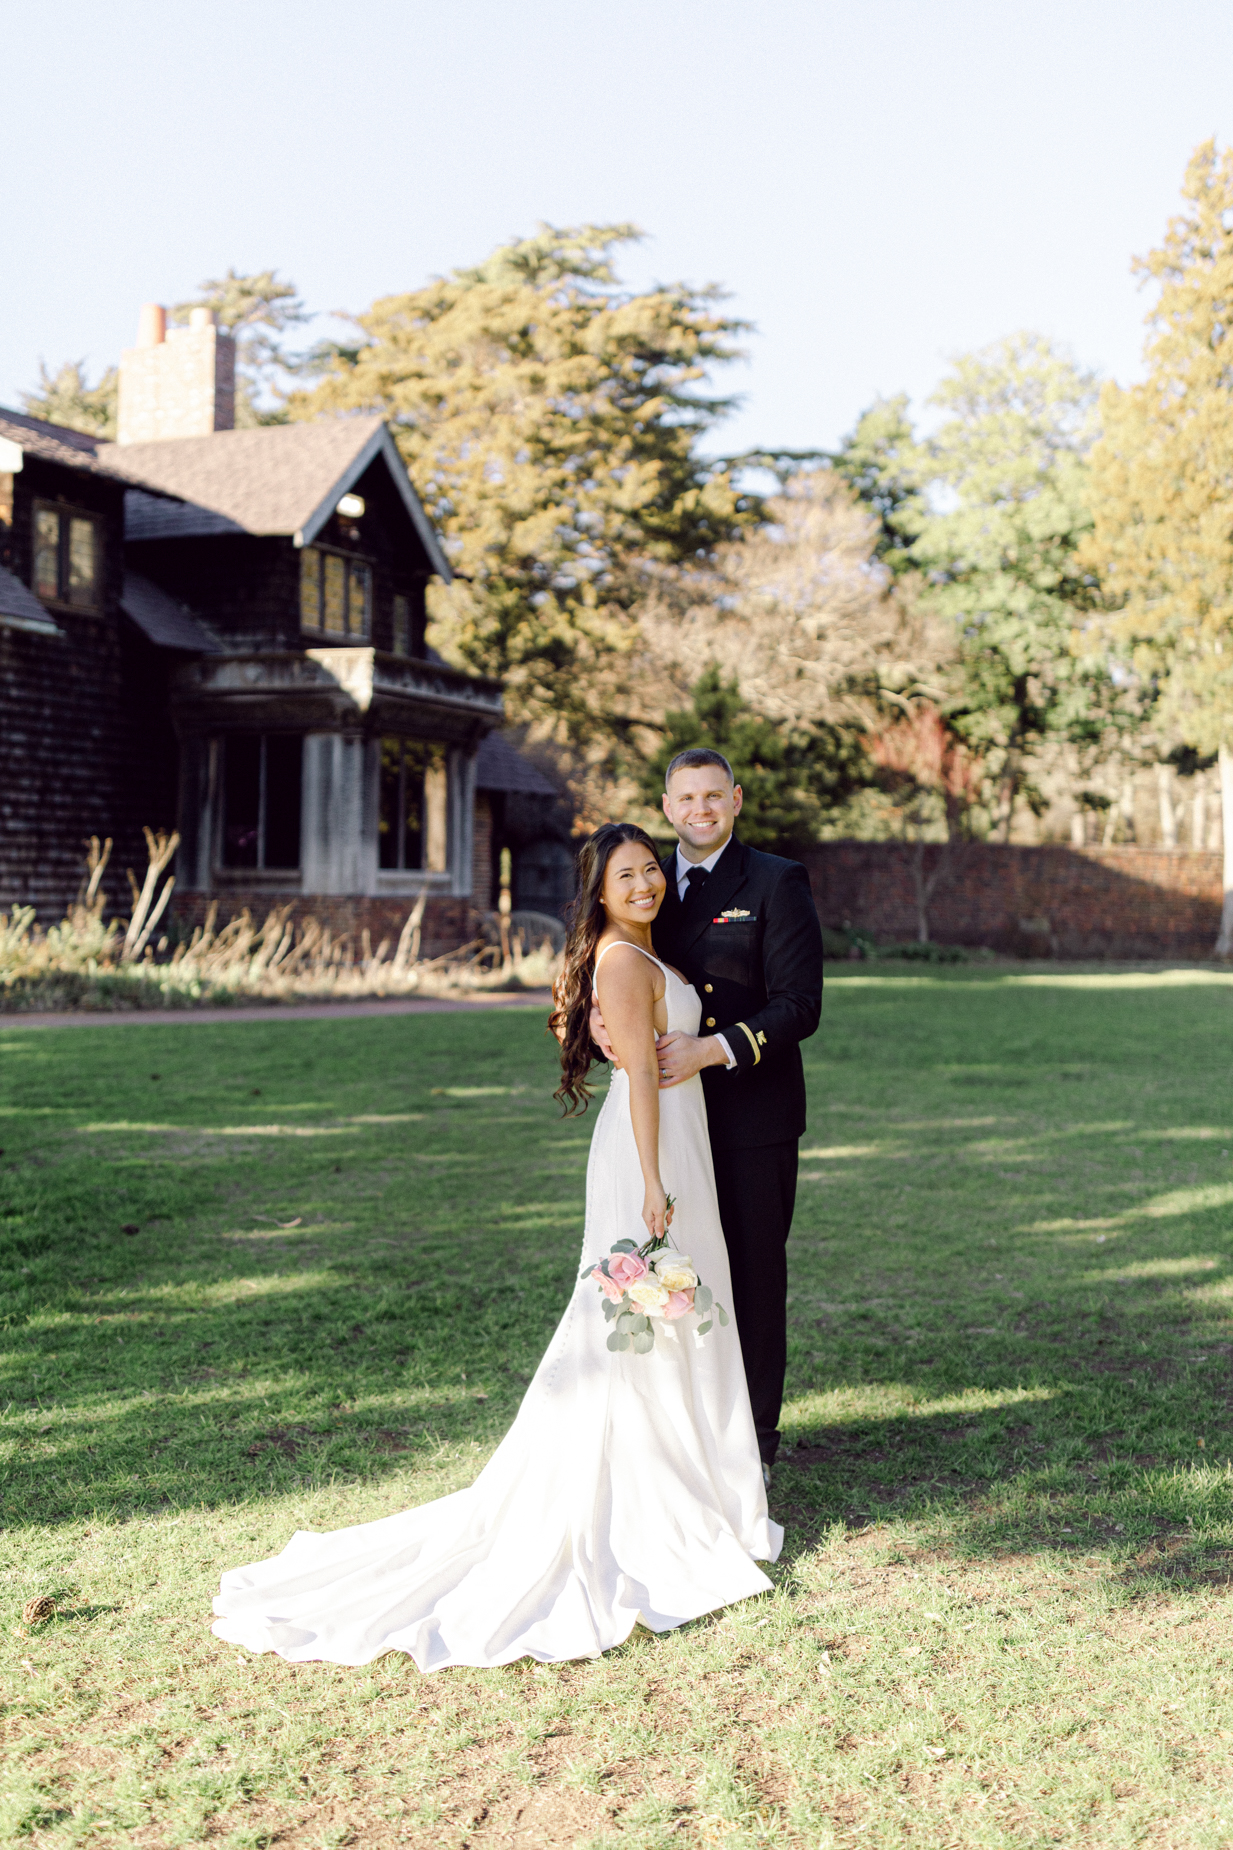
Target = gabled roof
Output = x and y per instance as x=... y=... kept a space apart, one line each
x=55 y=443
x=161 y=619
x=276 y=479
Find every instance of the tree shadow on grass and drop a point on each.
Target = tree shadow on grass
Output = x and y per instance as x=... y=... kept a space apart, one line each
x=142 y=1406
x=1005 y=1449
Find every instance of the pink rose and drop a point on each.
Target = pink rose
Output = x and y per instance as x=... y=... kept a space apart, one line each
x=626 y=1269
x=607 y=1287
x=679 y=1302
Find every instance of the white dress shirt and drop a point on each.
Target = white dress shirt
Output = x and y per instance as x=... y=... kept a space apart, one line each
x=682 y=887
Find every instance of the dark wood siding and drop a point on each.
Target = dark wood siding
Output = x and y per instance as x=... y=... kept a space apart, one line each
x=247 y=587
x=83 y=729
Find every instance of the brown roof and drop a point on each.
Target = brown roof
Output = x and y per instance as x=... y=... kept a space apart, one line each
x=276 y=479
x=56 y=443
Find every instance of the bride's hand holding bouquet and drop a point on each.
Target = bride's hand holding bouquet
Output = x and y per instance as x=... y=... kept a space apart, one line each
x=650 y=1286
x=657 y=1210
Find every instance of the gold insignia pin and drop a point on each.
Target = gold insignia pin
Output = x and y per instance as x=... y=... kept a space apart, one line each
x=734 y=912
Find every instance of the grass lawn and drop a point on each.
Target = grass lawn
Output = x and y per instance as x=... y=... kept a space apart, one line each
x=260 y=1277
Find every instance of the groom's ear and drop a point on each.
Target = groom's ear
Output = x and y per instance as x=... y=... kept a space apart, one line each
x=738 y=797
x=667 y=806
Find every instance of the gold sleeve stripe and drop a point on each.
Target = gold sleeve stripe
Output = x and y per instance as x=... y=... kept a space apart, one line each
x=749 y=1036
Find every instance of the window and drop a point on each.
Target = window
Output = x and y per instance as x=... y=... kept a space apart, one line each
x=413 y=805
x=261 y=800
x=335 y=593
x=66 y=557
x=402 y=625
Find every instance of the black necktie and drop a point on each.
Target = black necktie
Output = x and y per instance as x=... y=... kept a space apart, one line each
x=696 y=876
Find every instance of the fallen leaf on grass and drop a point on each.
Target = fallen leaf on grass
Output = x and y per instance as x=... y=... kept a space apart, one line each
x=913 y=1650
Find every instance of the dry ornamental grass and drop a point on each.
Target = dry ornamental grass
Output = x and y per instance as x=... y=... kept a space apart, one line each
x=90 y=962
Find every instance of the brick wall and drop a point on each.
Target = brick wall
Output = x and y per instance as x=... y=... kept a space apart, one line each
x=1047 y=901
x=448 y=923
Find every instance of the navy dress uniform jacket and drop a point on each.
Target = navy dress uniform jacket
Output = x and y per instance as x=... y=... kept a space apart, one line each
x=749 y=941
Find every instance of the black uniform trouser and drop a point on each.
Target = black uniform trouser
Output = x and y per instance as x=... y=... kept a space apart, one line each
x=757 y=1193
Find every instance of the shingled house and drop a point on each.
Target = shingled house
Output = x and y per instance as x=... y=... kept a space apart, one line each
x=222 y=631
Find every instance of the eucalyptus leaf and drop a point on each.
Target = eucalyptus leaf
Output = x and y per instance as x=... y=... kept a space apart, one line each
x=702 y=1330
x=643 y=1342
x=610 y=1309
x=702 y=1297
x=624 y=1246
x=627 y=1322
x=723 y=1315
x=615 y=1341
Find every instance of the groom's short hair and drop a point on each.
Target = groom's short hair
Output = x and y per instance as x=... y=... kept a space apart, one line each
x=694 y=758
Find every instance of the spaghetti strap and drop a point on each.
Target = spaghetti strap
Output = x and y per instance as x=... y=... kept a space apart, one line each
x=633 y=947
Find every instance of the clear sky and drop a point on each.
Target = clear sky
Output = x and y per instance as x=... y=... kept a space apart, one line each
x=880 y=184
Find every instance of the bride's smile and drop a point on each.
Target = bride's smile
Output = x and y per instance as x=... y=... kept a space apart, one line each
x=633 y=889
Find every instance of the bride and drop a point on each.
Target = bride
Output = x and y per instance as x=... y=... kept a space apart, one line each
x=629 y=1486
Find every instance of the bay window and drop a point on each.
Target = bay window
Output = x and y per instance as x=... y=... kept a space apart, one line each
x=335 y=594
x=261 y=800
x=412 y=817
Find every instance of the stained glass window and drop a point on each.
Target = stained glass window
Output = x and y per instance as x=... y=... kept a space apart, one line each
x=359 y=598
x=47 y=552
x=335 y=595
x=402 y=625
x=66 y=557
x=310 y=588
x=81 y=589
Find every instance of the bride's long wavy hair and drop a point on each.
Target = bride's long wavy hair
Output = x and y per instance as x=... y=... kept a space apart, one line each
x=570 y=1020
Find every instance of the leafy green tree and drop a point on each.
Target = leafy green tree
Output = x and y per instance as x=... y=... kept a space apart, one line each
x=551 y=421
x=1004 y=510
x=66 y=397
x=1162 y=537
x=878 y=460
x=260 y=310
x=789 y=777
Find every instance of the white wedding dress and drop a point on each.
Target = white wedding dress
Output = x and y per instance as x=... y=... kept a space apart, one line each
x=628 y=1488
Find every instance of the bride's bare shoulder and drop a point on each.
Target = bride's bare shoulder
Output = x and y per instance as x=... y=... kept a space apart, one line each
x=627 y=975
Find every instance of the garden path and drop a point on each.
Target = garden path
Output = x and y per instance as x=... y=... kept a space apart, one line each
x=276 y=1011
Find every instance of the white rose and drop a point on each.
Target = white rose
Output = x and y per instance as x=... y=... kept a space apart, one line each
x=675 y=1271
x=650 y=1296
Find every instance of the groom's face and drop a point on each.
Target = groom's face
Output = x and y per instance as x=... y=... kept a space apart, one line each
x=702 y=807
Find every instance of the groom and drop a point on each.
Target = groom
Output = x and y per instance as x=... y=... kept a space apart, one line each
x=743 y=928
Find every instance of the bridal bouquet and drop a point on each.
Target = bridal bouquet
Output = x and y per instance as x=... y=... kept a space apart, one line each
x=646 y=1287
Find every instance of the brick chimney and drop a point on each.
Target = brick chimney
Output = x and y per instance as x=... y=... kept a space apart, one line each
x=179 y=383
